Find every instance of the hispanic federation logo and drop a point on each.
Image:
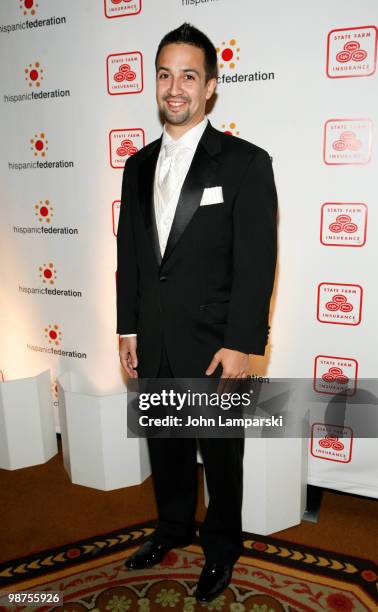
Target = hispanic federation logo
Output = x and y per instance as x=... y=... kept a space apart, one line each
x=44 y=211
x=230 y=128
x=47 y=273
x=228 y=54
x=28 y=7
x=53 y=334
x=34 y=74
x=39 y=144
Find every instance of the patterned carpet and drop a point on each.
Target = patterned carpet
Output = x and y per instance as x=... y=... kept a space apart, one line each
x=272 y=576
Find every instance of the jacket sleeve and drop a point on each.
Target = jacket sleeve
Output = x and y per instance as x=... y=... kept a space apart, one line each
x=254 y=258
x=127 y=267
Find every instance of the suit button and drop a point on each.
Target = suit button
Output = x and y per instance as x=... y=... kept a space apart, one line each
x=163 y=278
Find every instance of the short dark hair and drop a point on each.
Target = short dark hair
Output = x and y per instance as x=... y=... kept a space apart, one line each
x=188 y=34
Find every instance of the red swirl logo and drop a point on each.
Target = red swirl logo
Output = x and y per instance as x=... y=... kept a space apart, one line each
x=347 y=140
x=339 y=302
x=124 y=74
x=331 y=441
x=343 y=223
x=126 y=148
x=335 y=374
x=351 y=53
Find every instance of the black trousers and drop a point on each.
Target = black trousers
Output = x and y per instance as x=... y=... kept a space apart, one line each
x=174 y=473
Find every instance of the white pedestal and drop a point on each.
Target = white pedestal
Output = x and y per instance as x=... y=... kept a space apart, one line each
x=27 y=429
x=274 y=484
x=96 y=450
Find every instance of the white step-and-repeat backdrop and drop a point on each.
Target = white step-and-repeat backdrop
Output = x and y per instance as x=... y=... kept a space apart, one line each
x=77 y=98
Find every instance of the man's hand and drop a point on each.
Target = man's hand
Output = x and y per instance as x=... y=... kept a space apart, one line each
x=128 y=355
x=235 y=365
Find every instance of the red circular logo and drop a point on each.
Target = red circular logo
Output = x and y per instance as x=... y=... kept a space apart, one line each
x=343 y=56
x=332 y=306
x=346 y=307
x=335 y=371
x=227 y=54
x=343 y=219
x=350 y=228
x=339 y=145
x=336 y=228
x=341 y=378
x=359 y=55
x=352 y=45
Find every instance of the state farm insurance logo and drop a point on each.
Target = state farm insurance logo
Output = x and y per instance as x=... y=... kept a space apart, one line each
x=347 y=141
x=351 y=52
x=335 y=375
x=343 y=224
x=122 y=8
x=39 y=144
x=331 y=442
x=340 y=304
x=124 y=73
x=34 y=74
x=123 y=144
x=228 y=54
x=28 y=7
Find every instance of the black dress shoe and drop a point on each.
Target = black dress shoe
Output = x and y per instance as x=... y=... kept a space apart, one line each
x=149 y=554
x=214 y=579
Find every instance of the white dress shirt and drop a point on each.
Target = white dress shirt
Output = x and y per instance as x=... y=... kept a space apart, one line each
x=165 y=211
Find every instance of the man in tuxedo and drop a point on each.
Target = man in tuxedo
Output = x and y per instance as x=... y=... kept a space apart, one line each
x=196 y=256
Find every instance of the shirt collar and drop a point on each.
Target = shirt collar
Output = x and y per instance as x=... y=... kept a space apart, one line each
x=191 y=138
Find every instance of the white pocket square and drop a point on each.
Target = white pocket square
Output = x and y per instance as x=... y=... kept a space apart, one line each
x=211 y=195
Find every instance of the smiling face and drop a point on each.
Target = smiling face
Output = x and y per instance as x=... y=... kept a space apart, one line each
x=181 y=88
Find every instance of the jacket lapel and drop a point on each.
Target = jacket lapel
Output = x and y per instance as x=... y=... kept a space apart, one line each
x=146 y=197
x=201 y=174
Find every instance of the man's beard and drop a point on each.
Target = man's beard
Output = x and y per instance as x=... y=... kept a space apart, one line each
x=176 y=118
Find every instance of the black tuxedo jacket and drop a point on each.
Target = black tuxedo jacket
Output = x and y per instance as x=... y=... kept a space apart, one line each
x=212 y=288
